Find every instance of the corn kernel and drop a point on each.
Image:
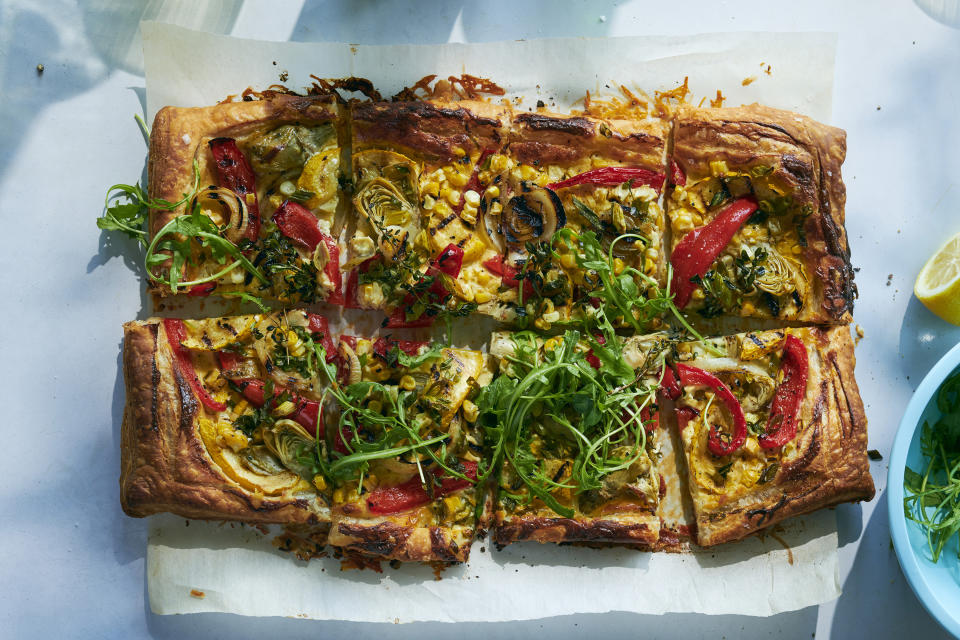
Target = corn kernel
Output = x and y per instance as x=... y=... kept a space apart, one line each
x=338 y=495
x=299 y=350
x=431 y=188
x=481 y=296
x=292 y=338
x=648 y=266
x=457 y=179
x=493 y=191
x=541 y=324
x=652 y=253
x=212 y=376
x=453 y=197
x=748 y=308
x=240 y=407
x=285 y=408
x=375 y=406
x=551 y=316
x=551 y=344
x=442 y=209
x=458 y=151
x=428 y=203
x=683 y=222
x=469 y=213
x=470 y=411
x=568 y=261
x=527 y=172
x=618 y=266
x=718 y=168
x=472 y=198
x=495 y=208
x=498 y=162
x=452 y=503
x=408 y=383
x=320 y=482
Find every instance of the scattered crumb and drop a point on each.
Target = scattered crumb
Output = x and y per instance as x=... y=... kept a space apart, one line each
x=718 y=102
x=889 y=279
x=873 y=454
x=284 y=75
x=860 y=334
x=39 y=69
x=196 y=593
x=767 y=70
x=541 y=104
x=353 y=49
x=878 y=107
x=748 y=81
x=603 y=18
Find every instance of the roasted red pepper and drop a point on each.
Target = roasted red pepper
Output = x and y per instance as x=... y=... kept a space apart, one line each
x=591 y=357
x=176 y=334
x=412 y=493
x=677 y=176
x=235 y=173
x=669 y=385
x=473 y=184
x=508 y=275
x=410 y=347
x=785 y=408
x=692 y=376
x=319 y=325
x=297 y=223
x=699 y=248
x=613 y=176
x=202 y=290
x=353 y=282
x=307 y=412
x=448 y=263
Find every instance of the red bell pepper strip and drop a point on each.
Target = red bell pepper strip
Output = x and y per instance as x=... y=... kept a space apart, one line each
x=319 y=325
x=677 y=176
x=591 y=357
x=508 y=275
x=785 y=408
x=412 y=494
x=353 y=282
x=473 y=184
x=699 y=248
x=297 y=223
x=613 y=176
x=669 y=384
x=410 y=347
x=684 y=416
x=307 y=412
x=235 y=173
x=449 y=263
x=202 y=290
x=176 y=334
x=692 y=376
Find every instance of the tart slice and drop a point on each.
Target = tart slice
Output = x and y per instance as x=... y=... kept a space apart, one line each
x=415 y=246
x=771 y=428
x=561 y=177
x=404 y=450
x=247 y=198
x=571 y=429
x=757 y=215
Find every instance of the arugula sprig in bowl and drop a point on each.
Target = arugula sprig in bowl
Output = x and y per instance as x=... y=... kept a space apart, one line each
x=923 y=513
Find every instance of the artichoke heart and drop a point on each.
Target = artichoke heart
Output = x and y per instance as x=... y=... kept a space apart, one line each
x=780 y=276
x=288 y=147
x=291 y=444
x=394 y=219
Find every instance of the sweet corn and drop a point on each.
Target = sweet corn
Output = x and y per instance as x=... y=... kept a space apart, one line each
x=408 y=383
x=428 y=203
x=452 y=503
x=648 y=266
x=375 y=406
x=457 y=179
x=453 y=197
x=551 y=316
x=493 y=191
x=498 y=162
x=551 y=344
x=320 y=482
x=458 y=151
x=470 y=411
x=285 y=408
x=618 y=266
x=469 y=213
x=481 y=297
x=527 y=172
x=652 y=253
x=568 y=261
x=240 y=407
x=683 y=222
x=442 y=209
x=748 y=308
x=495 y=208
x=472 y=198
x=541 y=324
x=431 y=188
x=292 y=339
x=718 y=168
x=339 y=495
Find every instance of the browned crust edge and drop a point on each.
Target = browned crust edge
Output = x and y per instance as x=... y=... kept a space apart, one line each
x=164 y=464
x=742 y=134
x=390 y=540
x=643 y=531
x=833 y=470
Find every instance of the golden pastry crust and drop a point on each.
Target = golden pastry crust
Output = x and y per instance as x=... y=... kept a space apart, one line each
x=828 y=464
x=436 y=132
x=806 y=157
x=393 y=538
x=165 y=466
x=640 y=529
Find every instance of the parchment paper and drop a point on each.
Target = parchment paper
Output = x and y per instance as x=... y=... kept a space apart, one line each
x=231 y=568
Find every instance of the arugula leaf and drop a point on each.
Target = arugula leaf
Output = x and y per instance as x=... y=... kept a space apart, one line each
x=415 y=361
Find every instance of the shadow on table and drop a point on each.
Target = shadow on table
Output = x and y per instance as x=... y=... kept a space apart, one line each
x=924 y=339
x=869 y=603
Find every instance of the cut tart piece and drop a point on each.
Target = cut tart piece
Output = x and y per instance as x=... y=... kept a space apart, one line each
x=248 y=197
x=757 y=215
x=219 y=414
x=416 y=247
x=405 y=451
x=773 y=427
x=563 y=176
x=571 y=432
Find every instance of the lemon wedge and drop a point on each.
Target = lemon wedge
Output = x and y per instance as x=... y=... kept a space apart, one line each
x=938 y=285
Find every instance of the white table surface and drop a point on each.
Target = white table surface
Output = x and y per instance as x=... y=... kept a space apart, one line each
x=72 y=564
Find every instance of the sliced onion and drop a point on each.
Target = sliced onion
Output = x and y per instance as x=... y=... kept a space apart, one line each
x=354 y=371
x=232 y=207
x=533 y=215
